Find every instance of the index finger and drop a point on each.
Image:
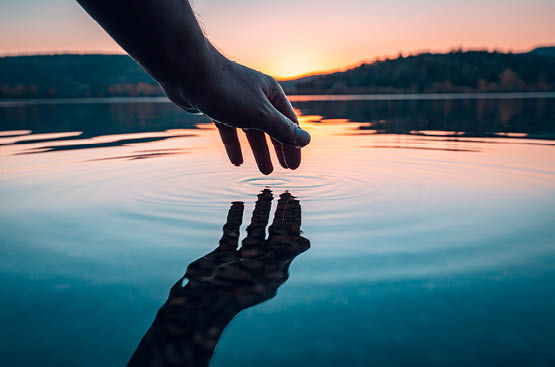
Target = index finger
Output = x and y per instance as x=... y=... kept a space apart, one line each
x=291 y=153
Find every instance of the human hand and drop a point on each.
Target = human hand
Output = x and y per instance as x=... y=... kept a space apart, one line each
x=235 y=96
x=243 y=277
x=224 y=282
x=165 y=38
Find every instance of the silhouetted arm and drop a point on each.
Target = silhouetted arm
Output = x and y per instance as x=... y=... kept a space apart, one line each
x=166 y=39
x=185 y=331
x=158 y=34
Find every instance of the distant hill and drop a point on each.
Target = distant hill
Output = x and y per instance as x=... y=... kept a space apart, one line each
x=544 y=51
x=71 y=76
x=67 y=76
x=457 y=71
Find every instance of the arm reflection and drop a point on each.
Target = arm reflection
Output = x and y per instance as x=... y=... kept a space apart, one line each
x=224 y=282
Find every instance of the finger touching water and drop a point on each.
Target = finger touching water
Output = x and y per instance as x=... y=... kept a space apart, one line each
x=259 y=147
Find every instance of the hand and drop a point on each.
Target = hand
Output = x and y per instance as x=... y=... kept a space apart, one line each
x=235 y=96
x=251 y=274
x=166 y=39
x=222 y=283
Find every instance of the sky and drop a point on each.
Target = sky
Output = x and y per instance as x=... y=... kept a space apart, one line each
x=294 y=37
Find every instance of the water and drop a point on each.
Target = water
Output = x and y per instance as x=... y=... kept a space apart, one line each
x=430 y=222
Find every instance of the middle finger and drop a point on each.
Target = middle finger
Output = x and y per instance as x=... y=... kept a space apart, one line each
x=259 y=146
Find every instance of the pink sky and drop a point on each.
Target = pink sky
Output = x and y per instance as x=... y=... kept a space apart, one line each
x=289 y=38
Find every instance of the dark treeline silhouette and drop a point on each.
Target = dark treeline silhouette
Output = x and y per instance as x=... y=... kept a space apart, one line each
x=70 y=76
x=457 y=71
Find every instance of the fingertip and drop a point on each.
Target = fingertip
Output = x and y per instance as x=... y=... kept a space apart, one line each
x=302 y=137
x=294 y=167
x=266 y=170
x=292 y=155
x=236 y=158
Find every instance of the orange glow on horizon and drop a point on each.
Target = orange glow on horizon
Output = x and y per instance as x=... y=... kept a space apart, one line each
x=291 y=39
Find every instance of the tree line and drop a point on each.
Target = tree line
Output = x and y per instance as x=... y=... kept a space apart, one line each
x=78 y=76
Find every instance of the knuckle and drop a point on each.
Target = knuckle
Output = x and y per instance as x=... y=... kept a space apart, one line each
x=272 y=86
x=271 y=81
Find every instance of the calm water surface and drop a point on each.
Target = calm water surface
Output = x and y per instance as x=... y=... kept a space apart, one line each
x=431 y=226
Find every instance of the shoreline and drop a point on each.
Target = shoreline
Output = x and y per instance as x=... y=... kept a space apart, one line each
x=296 y=98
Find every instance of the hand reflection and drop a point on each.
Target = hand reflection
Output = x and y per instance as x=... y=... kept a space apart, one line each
x=224 y=282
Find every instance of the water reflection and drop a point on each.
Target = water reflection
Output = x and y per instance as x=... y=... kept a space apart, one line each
x=92 y=144
x=413 y=244
x=418 y=148
x=532 y=118
x=144 y=154
x=224 y=282
x=72 y=126
x=97 y=119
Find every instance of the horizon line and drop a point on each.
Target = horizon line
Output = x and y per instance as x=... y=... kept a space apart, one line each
x=310 y=73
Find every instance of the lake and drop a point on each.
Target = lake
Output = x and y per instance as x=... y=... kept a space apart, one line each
x=427 y=229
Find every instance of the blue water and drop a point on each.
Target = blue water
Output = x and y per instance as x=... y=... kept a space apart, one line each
x=431 y=226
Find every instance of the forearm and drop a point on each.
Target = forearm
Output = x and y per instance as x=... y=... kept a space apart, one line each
x=184 y=333
x=162 y=35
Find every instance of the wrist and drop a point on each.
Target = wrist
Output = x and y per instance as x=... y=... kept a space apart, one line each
x=191 y=75
x=180 y=61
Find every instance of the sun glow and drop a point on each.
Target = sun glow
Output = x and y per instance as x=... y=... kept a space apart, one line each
x=291 y=65
x=298 y=38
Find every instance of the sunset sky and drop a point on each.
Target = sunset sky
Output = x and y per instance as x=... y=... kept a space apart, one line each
x=292 y=37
